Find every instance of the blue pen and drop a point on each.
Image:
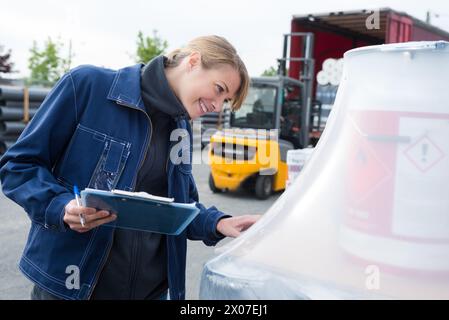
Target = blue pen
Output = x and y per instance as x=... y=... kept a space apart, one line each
x=78 y=203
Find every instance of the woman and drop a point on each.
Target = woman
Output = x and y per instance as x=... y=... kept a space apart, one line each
x=108 y=129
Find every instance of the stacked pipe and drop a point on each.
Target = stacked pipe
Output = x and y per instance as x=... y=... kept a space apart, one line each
x=17 y=106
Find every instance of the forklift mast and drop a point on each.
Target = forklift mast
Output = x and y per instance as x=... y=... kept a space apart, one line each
x=306 y=76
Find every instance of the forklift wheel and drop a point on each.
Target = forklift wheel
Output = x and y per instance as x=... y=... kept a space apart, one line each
x=263 y=187
x=212 y=186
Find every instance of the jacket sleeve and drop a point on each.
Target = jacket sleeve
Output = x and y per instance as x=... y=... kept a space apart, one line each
x=204 y=226
x=26 y=168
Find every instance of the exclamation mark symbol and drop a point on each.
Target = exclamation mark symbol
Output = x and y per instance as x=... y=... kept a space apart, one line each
x=425 y=147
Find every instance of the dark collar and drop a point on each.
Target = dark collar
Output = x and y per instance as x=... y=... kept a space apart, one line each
x=156 y=92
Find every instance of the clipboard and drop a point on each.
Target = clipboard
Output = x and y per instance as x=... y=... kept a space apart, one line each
x=141 y=211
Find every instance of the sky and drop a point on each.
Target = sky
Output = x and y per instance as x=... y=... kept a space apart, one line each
x=104 y=32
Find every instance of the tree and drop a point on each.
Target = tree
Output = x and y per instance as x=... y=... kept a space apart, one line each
x=5 y=65
x=47 y=65
x=149 y=47
x=271 y=71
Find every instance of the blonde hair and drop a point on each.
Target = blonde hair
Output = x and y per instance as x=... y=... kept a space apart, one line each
x=215 y=51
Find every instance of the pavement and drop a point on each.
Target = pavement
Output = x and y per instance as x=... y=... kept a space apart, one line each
x=15 y=226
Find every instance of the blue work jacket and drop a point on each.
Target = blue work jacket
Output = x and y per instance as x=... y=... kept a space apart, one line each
x=92 y=130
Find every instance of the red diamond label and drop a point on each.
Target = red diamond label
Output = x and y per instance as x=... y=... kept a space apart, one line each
x=368 y=171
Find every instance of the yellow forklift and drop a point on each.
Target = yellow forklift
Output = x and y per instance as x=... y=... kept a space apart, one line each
x=278 y=115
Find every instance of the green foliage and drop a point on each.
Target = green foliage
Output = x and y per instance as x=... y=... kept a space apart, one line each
x=5 y=64
x=47 y=65
x=149 y=47
x=272 y=71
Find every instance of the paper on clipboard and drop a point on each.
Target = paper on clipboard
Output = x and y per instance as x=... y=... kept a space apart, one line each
x=141 y=211
x=143 y=195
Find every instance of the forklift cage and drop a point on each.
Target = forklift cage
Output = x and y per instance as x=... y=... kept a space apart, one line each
x=306 y=76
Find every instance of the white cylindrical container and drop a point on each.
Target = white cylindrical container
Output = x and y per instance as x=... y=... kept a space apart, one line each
x=296 y=160
x=322 y=78
x=398 y=164
x=329 y=64
x=339 y=65
x=335 y=79
x=368 y=216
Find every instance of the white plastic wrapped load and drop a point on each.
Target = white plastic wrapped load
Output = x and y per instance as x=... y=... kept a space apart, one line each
x=332 y=72
x=368 y=217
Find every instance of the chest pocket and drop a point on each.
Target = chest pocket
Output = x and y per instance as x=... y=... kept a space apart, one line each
x=110 y=165
x=93 y=159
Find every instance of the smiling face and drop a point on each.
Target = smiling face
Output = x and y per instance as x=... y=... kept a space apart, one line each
x=203 y=90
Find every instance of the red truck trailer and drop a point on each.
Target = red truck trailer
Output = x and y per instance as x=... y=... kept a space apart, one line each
x=337 y=32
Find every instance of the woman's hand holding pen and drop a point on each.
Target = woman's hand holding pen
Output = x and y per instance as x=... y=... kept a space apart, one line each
x=92 y=217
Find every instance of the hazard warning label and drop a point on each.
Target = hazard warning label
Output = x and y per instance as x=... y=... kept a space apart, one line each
x=424 y=153
x=422 y=171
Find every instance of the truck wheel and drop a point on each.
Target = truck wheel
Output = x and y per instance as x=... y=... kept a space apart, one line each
x=212 y=186
x=264 y=186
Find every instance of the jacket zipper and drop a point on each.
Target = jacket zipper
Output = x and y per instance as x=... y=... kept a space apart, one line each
x=132 y=285
x=146 y=146
x=168 y=157
x=133 y=186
